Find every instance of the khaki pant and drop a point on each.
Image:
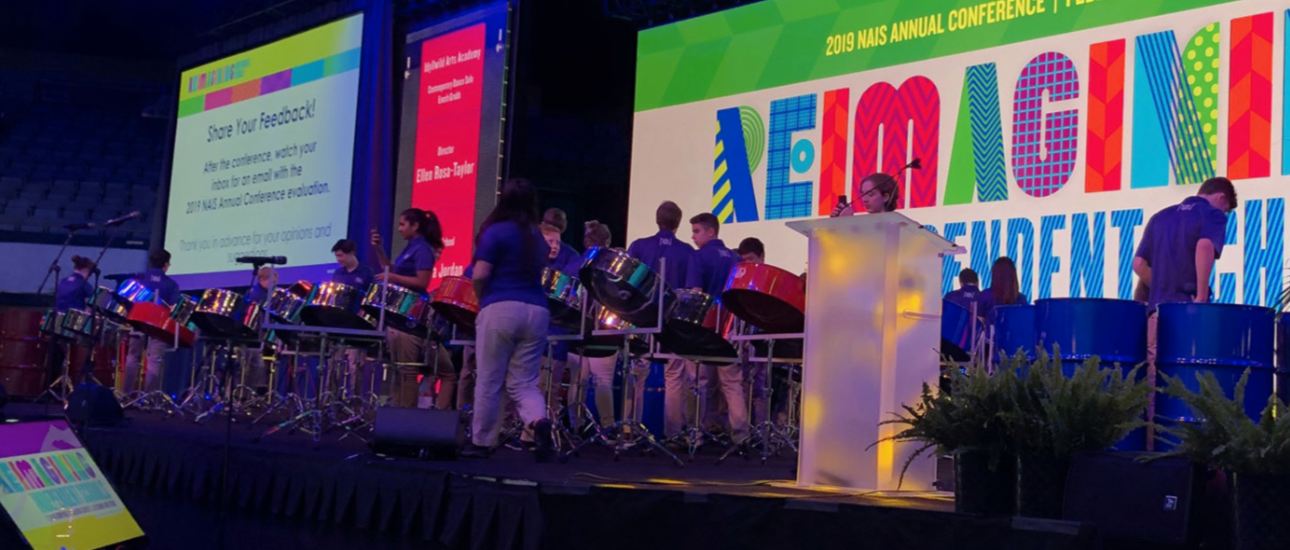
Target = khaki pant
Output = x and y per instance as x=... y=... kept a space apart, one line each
x=134 y=359
x=408 y=354
x=511 y=338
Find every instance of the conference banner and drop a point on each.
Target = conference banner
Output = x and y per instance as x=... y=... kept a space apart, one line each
x=1048 y=131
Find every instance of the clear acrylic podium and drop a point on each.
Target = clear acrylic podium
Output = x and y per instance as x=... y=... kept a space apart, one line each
x=873 y=310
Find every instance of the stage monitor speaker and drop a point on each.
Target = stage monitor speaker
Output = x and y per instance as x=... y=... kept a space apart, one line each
x=424 y=433
x=1132 y=500
x=93 y=405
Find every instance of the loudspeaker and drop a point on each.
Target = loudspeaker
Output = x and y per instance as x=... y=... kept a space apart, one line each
x=93 y=405
x=424 y=433
x=1132 y=500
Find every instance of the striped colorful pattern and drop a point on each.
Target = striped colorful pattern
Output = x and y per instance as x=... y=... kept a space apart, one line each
x=950 y=266
x=977 y=164
x=1088 y=259
x=882 y=105
x=983 y=257
x=1249 y=134
x=1175 y=108
x=1020 y=229
x=1264 y=248
x=315 y=70
x=786 y=198
x=732 y=187
x=1041 y=173
x=1126 y=221
x=1049 y=264
x=1106 y=117
x=1201 y=59
x=833 y=156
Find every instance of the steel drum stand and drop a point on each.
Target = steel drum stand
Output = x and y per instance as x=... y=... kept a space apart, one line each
x=62 y=387
x=278 y=400
x=221 y=386
x=159 y=400
x=771 y=437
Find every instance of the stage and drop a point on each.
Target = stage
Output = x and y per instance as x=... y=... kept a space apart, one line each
x=284 y=493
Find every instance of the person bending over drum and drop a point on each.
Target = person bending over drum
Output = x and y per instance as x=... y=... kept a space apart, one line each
x=412 y=269
x=167 y=293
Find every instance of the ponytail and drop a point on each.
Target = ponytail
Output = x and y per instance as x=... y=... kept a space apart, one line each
x=427 y=226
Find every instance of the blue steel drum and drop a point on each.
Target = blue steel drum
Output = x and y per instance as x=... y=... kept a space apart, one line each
x=1113 y=330
x=1283 y=357
x=1014 y=330
x=1224 y=339
x=956 y=331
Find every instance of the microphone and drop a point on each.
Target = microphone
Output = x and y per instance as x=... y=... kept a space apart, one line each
x=121 y=276
x=118 y=221
x=270 y=260
x=79 y=226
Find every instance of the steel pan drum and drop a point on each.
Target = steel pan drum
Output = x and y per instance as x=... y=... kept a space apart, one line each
x=1283 y=357
x=956 y=331
x=455 y=301
x=227 y=314
x=1224 y=339
x=79 y=323
x=284 y=305
x=1113 y=330
x=335 y=305
x=405 y=309
x=564 y=296
x=133 y=292
x=183 y=311
x=1014 y=331
x=155 y=320
x=106 y=303
x=604 y=346
x=691 y=328
x=625 y=285
x=51 y=324
x=767 y=297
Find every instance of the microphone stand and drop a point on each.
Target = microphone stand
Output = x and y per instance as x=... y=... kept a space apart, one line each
x=54 y=268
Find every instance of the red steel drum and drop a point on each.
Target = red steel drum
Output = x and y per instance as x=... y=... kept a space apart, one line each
x=302 y=289
x=767 y=297
x=455 y=301
x=155 y=321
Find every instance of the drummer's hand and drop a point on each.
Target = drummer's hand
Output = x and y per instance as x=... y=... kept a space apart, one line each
x=376 y=238
x=380 y=277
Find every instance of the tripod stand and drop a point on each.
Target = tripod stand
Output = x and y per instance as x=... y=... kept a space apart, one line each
x=766 y=432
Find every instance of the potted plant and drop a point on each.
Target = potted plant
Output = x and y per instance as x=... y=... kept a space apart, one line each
x=1255 y=455
x=1053 y=417
x=965 y=422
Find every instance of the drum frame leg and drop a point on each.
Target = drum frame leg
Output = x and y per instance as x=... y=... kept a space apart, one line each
x=61 y=388
x=767 y=433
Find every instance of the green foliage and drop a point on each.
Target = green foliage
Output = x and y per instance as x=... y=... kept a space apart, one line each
x=1057 y=416
x=1225 y=437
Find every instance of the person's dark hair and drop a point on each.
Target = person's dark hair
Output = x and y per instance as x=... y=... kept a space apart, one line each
x=517 y=204
x=81 y=262
x=668 y=216
x=427 y=226
x=751 y=245
x=346 y=246
x=1219 y=185
x=708 y=221
x=1003 y=281
x=597 y=234
x=885 y=185
x=556 y=218
x=158 y=258
x=968 y=277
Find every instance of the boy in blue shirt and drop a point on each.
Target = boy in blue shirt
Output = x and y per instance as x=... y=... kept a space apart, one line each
x=709 y=269
x=167 y=292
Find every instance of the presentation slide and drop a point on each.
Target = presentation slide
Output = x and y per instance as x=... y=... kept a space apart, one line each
x=263 y=158
x=449 y=154
x=1049 y=132
x=55 y=493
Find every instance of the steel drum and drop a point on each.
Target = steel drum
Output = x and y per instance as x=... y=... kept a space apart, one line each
x=105 y=302
x=1224 y=339
x=227 y=314
x=767 y=297
x=604 y=346
x=51 y=324
x=405 y=309
x=1113 y=330
x=956 y=331
x=691 y=328
x=78 y=322
x=284 y=305
x=455 y=300
x=625 y=285
x=1283 y=357
x=184 y=310
x=564 y=296
x=335 y=305
x=133 y=291
x=1014 y=331
x=156 y=321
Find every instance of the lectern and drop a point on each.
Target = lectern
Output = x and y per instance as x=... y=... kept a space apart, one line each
x=873 y=309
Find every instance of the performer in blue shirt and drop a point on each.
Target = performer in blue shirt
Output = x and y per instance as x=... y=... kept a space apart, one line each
x=266 y=279
x=513 y=318
x=566 y=255
x=1003 y=289
x=1179 y=246
x=968 y=290
x=599 y=371
x=412 y=269
x=709 y=269
x=350 y=271
x=166 y=291
x=74 y=290
x=656 y=251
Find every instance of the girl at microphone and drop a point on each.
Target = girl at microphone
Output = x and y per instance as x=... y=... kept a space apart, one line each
x=878 y=193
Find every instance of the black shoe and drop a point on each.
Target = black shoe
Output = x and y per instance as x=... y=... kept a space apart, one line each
x=472 y=450
x=545 y=443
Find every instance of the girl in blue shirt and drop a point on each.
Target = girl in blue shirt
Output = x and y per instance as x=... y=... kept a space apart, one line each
x=412 y=269
x=512 y=324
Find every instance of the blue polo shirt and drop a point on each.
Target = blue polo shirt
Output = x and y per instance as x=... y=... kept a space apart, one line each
x=258 y=294
x=986 y=303
x=664 y=244
x=515 y=278
x=1169 y=247
x=165 y=288
x=567 y=261
x=710 y=267
x=359 y=278
x=73 y=291
x=964 y=296
x=416 y=256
